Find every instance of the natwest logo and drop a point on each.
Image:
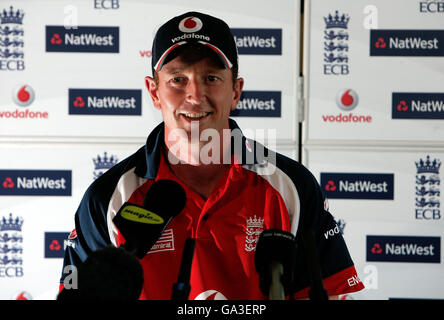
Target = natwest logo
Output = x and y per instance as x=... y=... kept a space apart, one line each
x=54 y=244
x=406 y=42
x=258 y=41
x=357 y=185
x=35 y=182
x=8 y=183
x=105 y=101
x=258 y=104
x=417 y=105
x=82 y=39
x=403 y=249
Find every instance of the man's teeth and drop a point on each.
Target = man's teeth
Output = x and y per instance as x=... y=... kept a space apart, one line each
x=196 y=115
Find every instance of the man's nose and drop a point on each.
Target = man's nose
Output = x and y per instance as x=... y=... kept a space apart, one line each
x=195 y=91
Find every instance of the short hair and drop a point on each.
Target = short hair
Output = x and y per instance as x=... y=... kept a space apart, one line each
x=193 y=53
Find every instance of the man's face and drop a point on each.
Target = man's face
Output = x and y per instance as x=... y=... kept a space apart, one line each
x=199 y=92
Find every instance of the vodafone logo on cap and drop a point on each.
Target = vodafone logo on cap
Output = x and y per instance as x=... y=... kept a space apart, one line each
x=23 y=95
x=190 y=24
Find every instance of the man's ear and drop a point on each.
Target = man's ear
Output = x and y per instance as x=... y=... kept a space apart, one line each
x=152 y=89
x=238 y=86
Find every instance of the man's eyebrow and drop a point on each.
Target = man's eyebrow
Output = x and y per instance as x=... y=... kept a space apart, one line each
x=215 y=70
x=180 y=69
x=174 y=70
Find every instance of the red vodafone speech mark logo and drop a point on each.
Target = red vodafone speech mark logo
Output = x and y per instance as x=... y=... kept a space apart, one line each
x=23 y=95
x=347 y=99
x=190 y=24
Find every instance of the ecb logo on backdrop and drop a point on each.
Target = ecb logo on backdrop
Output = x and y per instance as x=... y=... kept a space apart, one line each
x=11 y=247
x=431 y=6
x=434 y=6
x=11 y=40
x=106 y=4
x=103 y=163
x=336 y=44
x=427 y=183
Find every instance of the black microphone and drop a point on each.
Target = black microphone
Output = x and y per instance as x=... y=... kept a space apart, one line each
x=107 y=274
x=317 y=291
x=275 y=262
x=182 y=288
x=114 y=273
x=141 y=226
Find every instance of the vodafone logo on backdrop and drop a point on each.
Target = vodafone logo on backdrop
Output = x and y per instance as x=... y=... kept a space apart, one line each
x=23 y=95
x=347 y=100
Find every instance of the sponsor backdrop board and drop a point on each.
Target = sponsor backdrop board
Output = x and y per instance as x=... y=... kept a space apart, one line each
x=387 y=203
x=374 y=73
x=40 y=189
x=73 y=102
x=79 y=71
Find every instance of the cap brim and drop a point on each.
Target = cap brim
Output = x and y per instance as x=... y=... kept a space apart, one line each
x=225 y=61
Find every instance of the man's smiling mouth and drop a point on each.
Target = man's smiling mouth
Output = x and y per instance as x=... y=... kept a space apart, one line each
x=195 y=115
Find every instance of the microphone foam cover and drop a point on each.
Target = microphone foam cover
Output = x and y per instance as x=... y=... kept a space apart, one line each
x=275 y=245
x=165 y=197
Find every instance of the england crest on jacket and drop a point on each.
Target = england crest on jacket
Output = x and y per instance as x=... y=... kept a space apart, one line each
x=254 y=228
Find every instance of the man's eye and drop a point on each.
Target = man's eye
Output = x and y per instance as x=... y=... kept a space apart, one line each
x=177 y=79
x=212 y=78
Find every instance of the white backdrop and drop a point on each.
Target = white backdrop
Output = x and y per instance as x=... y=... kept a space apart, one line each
x=356 y=129
x=47 y=135
x=361 y=63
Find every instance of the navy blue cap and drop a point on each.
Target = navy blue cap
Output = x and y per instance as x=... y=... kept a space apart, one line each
x=197 y=28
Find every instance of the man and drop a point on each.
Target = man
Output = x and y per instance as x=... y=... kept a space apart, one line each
x=233 y=192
